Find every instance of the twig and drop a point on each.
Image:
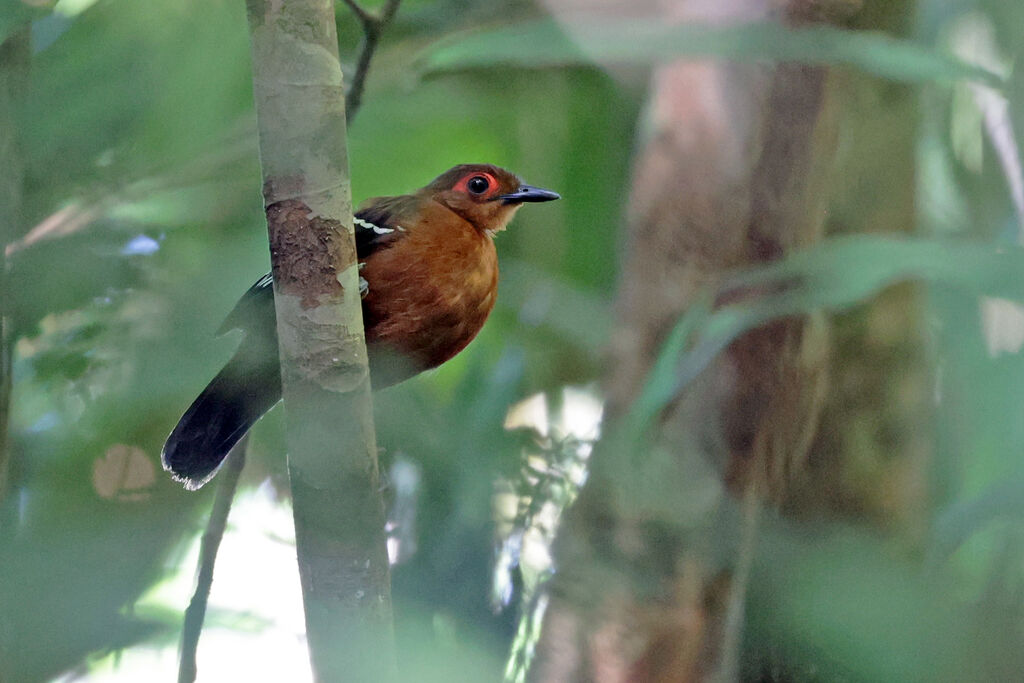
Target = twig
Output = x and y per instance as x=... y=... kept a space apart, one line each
x=975 y=42
x=999 y=125
x=735 y=610
x=196 y=612
x=373 y=26
x=364 y=16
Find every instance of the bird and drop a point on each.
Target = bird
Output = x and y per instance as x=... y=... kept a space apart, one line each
x=428 y=278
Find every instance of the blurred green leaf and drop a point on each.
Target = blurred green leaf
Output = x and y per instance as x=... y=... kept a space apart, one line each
x=115 y=98
x=16 y=14
x=542 y=299
x=1003 y=500
x=846 y=603
x=547 y=43
x=833 y=276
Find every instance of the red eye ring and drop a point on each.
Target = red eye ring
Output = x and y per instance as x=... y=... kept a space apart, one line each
x=477 y=185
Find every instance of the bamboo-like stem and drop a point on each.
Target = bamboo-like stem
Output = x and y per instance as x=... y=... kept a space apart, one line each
x=195 y=614
x=335 y=481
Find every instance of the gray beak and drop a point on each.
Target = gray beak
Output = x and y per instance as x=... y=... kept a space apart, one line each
x=529 y=193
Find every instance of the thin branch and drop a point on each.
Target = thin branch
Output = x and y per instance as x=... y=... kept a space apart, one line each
x=196 y=612
x=373 y=27
x=362 y=14
x=389 y=11
x=735 y=608
x=995 y=110
x=6 y=386
x=976 y=44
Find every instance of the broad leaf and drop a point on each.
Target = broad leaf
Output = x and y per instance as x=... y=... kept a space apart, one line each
x=547 y=43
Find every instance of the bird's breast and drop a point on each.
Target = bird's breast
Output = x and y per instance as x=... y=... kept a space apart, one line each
x=427 y=299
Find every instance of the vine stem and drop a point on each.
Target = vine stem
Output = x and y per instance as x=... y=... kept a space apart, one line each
x=195 y=614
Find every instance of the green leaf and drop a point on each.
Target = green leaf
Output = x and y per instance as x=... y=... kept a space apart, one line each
x=16 y=15
x=954 y=525
x=835 y=275
x=546 y=43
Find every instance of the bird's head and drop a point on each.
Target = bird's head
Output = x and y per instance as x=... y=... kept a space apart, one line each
x=484 y=195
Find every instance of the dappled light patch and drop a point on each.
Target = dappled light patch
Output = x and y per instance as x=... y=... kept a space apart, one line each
x=405 y=481
x=527 y=510
x=124 y=473
x=1002 y=322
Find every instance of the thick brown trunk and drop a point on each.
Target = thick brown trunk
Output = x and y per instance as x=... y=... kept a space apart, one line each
x=734 y=172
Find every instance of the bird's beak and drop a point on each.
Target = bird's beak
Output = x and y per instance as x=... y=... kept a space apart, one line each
x=528 y=193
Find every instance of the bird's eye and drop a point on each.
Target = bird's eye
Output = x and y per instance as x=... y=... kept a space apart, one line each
x=478 y=184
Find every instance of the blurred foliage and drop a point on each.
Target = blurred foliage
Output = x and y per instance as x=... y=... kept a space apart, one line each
x=546 y=43
x=142 y=225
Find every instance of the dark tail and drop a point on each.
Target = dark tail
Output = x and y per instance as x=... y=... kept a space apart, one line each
x=247 y=387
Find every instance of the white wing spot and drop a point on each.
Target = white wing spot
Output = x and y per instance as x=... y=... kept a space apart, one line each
x=364 y=287
x=376 y=228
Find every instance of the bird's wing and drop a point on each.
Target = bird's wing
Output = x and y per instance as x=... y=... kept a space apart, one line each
x=255 y=305
x=377 y=225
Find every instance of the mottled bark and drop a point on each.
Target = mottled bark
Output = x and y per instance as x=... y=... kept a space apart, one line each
x=734 y=171
x=339 y=513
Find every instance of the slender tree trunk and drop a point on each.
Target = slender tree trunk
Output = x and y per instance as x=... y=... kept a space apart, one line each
x=14 y=60
x=339 y=512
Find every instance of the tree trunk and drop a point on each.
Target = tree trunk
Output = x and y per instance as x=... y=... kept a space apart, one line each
x=654 y=557
x=339 y=512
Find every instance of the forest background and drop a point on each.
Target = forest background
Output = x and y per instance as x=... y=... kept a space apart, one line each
x=132 y=222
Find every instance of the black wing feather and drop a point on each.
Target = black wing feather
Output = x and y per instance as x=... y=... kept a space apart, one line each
x=252 y=306
x=257 y=302
x=377 y=224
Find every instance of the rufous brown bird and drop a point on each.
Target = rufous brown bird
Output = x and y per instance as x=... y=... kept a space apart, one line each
x=428 y=280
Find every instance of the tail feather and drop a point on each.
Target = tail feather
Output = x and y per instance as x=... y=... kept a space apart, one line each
x=247 y=387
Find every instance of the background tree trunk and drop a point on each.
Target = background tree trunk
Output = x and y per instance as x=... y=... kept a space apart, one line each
x=336 y=490
x=654 y=558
